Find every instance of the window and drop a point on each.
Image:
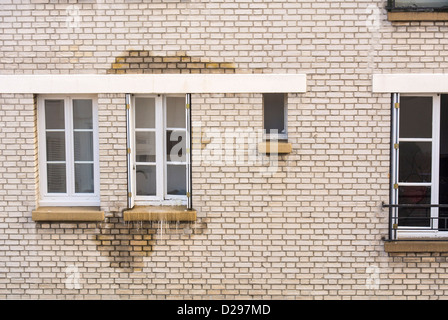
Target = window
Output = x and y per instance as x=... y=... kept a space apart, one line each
x=418 y=5
x=160 y=143
x=420 y=164
x=68 y=151
x=274 y=115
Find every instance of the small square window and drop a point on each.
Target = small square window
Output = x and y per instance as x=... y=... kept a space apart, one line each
x=274 y=115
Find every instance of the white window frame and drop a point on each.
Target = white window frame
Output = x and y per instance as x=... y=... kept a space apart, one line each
x=418 y=232
x=161 y=197
x=278 y=136
x=70 y=198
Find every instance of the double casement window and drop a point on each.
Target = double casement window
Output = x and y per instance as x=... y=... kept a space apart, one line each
x=158 y=149
x=415 y=5
x=68 y=151
x=419 y=191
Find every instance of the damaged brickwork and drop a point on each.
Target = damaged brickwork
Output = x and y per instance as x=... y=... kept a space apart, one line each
x=145 y=62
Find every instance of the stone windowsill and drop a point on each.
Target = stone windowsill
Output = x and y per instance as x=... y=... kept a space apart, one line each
x=417 y=16
x=73 y=214
x=274 y=147
x=159 y=213
x=416 y=246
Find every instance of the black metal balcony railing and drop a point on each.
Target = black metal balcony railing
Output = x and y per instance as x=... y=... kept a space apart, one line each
x=417 y=224
x=417 y=5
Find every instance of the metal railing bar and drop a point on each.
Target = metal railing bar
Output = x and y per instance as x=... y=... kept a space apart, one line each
x=415 y=205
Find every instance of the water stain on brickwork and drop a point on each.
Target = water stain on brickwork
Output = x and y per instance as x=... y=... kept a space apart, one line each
x=144 y=62
x=126 y=245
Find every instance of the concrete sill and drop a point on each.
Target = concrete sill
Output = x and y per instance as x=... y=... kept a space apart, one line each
x=159 y=213
x=416 y=246
x=274 y=147
x=417 y=16
x=62 y=214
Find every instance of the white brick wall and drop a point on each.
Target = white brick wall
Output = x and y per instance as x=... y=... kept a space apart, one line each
x=312 y=230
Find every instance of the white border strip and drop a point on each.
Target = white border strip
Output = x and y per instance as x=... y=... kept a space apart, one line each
x=410 y=83
x=153 y=83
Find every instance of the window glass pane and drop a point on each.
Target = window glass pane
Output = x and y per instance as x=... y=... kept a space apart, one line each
x=54 y=114
x=55 y=146
x=175 y=112
x=145 y=112
x=176 y=179
x=84 y=178
x=83 y=147
x=421 y=3
x=145 y=146
x=146 y=180
x=418 y=217
x=56 y=182
x=82 y=114
x=175 y=146
x=443 y=162
x=415 y=161
x=274 y=112
x=415 y=117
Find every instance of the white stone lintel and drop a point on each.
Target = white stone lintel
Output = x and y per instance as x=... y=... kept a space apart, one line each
x=153 y=83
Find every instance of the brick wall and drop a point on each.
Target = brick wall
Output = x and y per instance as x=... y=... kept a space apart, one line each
x=313 y=229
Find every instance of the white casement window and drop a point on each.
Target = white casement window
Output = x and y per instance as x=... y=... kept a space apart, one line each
x=419 y=190
x=275 y=116
x=158 y=147
x=68 y=151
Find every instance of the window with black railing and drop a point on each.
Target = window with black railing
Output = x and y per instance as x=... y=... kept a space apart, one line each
x=417 y=5
x=419 y=165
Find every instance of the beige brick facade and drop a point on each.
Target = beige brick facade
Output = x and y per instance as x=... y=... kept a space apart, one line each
x=314 y=229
